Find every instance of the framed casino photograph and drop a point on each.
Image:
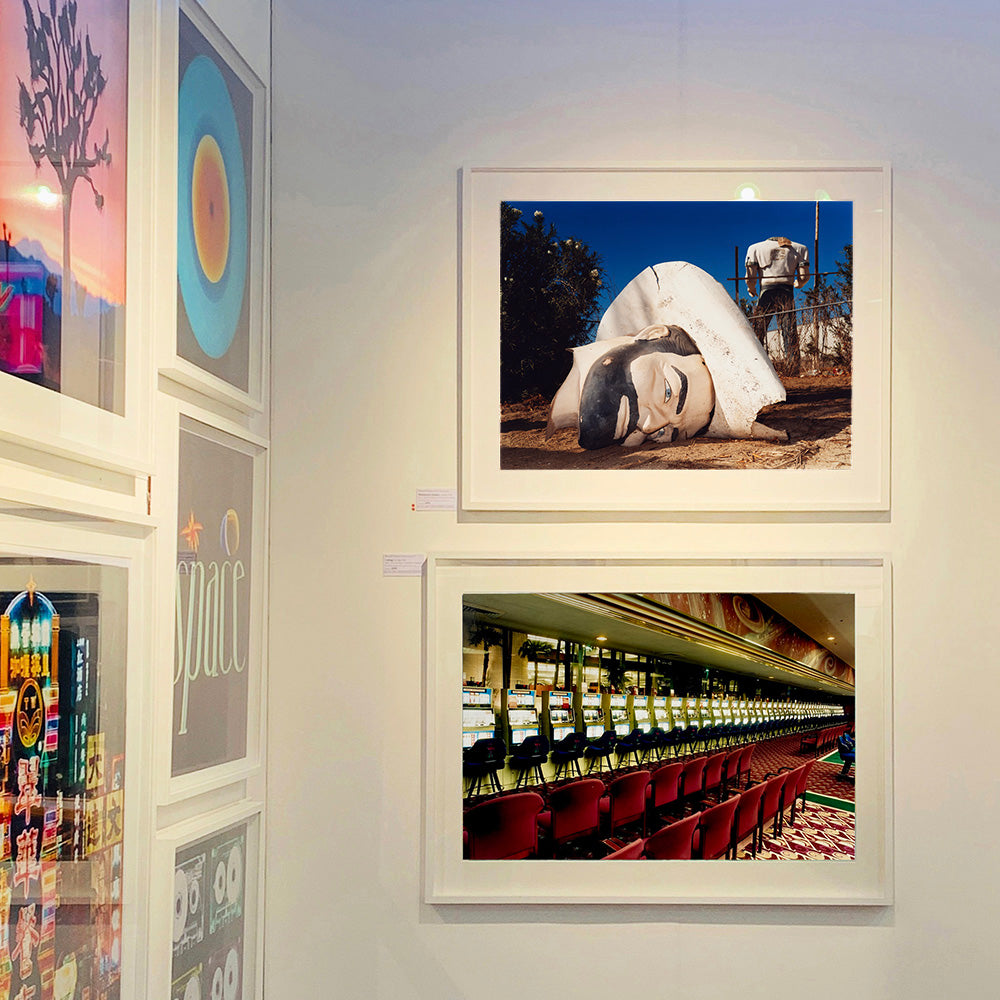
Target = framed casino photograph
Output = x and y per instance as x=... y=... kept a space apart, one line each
x=206 y=939
x=675 y=338
x=221 y=185
x=700 y=717
x=75 y=162
x=211 y=599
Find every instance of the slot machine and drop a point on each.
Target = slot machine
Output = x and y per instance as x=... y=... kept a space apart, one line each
x=785 y=713
x=728 y=721
x=703 y=713
x=593 y=714
x=641 y=713
x=678 y=714
x=661 y=714
x=715 y=707
x=557 y=710
x=521 y=713
x=478 y=718
x=619 y=714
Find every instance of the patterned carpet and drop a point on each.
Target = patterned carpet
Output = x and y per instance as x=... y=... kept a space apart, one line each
x=773 y=755
x=821 y=834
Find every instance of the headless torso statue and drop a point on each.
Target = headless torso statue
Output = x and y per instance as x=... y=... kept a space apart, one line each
x=780 y=266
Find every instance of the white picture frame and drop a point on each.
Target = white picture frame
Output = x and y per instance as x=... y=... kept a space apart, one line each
x=488 y=487
x=75 y=449
x=448 y=879
x=169 y=842
x=252 y=399
x=92 y=543
x=174 y=418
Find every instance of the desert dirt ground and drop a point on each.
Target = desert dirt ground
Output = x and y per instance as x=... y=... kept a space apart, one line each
x=816 y=414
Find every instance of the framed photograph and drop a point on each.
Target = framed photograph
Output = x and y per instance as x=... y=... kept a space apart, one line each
x=206 y=935
x=644 y=664
x=74 y=364
x=221 y=186
x=677 y=338
x=212 y=579
x=73 y=831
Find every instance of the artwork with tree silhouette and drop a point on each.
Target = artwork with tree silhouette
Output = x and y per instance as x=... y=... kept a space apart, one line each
x=532 y=650
x=485 y=636
x=550 y=285
x=57 y=107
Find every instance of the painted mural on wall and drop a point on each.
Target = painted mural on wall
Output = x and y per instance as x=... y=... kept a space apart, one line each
x=214 y=180
x=213 y=588
x=208 y=918
x=63 y=81
x=63 y=774
x=744 y=616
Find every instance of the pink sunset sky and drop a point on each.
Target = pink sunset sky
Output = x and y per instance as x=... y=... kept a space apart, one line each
x=97 y=238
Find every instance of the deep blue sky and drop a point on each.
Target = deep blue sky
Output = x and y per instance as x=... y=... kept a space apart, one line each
x=631 y=235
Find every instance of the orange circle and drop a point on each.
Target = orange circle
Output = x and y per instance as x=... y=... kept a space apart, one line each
x=210 y=208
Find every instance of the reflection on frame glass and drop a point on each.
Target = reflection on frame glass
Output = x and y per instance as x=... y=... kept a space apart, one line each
x=220 y=183
x=62 y=749
x=214 y=587
x=62 y=198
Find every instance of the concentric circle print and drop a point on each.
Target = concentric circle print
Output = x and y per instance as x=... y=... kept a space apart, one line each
x=210 y=208
x=212 y=224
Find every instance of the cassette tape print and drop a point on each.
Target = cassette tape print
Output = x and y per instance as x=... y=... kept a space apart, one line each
x=227 y=870
x=224 y=972
x=190 y=904
x=209 y=933
x=188 y=985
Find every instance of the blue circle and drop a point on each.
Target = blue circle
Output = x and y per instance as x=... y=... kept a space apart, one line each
x=205 y=108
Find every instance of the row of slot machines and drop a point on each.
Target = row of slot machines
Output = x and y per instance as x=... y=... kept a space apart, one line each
x=515 y=714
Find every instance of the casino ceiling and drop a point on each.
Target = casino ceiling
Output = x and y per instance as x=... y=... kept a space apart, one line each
x=638 y=624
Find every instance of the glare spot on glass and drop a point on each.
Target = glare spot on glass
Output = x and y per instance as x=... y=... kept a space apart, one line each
x=747 y=192
x=46 y=197
x=822 y=195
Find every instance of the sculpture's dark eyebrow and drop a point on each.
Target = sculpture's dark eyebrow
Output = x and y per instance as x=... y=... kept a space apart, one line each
x=682 y=395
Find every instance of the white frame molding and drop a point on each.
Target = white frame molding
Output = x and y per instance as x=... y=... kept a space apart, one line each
x=81 y=544
x=82 y=440
x=449 y=879
x=173 y=415
x=169 y=362
x=487 y=487
x=161 y=875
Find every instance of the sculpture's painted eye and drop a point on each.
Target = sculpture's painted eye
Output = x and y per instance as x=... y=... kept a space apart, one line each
x=666 y=391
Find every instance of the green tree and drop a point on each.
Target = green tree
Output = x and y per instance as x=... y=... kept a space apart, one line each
x=841 y=324
x=549 y=291
x=485 y=636
x=532 y=650
x=57 y=108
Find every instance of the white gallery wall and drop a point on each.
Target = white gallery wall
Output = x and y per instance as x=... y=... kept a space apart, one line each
x=375 y=108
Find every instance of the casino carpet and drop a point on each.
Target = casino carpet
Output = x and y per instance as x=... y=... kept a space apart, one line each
x=820 y=834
